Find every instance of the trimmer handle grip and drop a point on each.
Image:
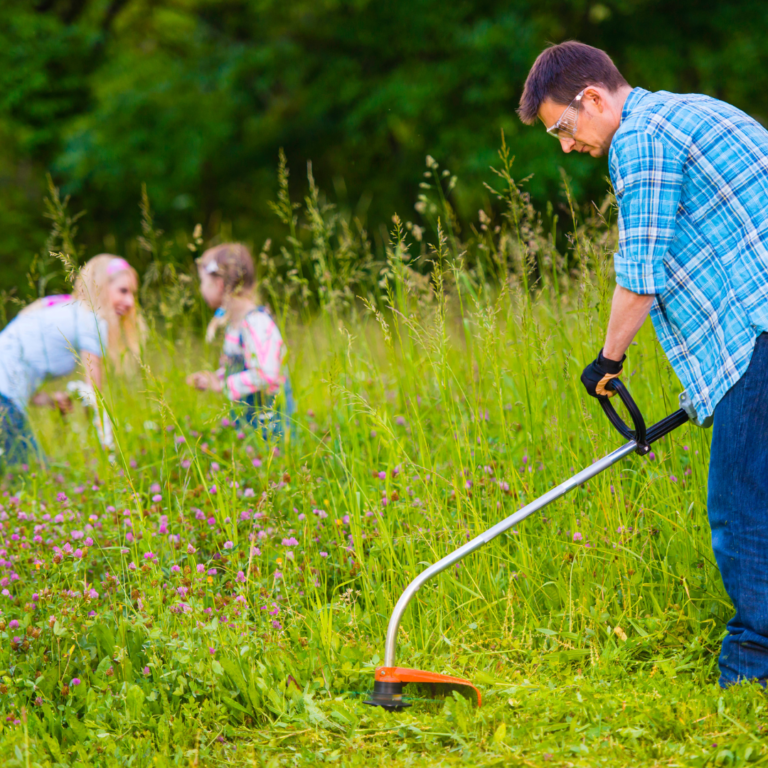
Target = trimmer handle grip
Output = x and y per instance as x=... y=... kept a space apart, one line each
x=639 y=434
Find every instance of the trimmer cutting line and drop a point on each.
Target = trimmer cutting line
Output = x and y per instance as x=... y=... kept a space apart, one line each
x=389 y=680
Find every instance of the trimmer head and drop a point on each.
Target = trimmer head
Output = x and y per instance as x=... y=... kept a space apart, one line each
x=389 y=682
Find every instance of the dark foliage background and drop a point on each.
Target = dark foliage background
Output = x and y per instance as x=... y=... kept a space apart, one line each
x=195 y=98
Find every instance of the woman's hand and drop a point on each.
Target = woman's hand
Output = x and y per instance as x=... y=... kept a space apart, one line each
x=205 y=380
x=62 y=401
x=59 y=400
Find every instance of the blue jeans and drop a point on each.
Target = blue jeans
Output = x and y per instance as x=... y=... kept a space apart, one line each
x=265 y=414
x=16 y=441
x=738 y=515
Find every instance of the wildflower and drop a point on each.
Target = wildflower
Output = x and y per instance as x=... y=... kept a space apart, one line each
x=382 y=475
x=131 y=566
x=13 y=624
x=182 y=591
x=201 y=568
x=215 y=466
x=673 y=478
x=400 y=421
x=150 y=556
x=212 y=490
x=290 y=542
x=256 y=462
x=278 y=575
x=228 y=545
x=577 y=536
x=175 y=569
x=79 y=553
x=212 y=572
x=180 y=439
x=190 y=549
x=211 y=521
x=212 y=651
x=146 y=670
x=276 y=624
x=88 y=542
x=323 y=554
x=240 y=577
x=157 y=497
x=651 y=455
x=75 y=682
x=93 y=595
x=255 y=551
x=186 y=463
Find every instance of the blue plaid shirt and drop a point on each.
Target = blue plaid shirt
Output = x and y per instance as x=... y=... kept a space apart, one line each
x=690 y=175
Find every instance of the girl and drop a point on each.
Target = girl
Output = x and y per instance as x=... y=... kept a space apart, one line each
x=252 y=369
x=51 y=335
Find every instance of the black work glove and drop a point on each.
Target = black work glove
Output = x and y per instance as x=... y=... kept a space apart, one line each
x=598 y=373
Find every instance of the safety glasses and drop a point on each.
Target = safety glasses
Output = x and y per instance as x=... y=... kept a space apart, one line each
x=565 y=127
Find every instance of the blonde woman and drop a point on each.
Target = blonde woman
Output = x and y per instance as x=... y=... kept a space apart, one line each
x=253 y=374
x=53 y=334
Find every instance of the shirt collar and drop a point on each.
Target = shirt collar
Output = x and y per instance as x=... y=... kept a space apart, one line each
x=633 y=98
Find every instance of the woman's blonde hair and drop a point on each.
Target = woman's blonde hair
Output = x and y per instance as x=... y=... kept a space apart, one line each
x=124 y=333
x=91 y=288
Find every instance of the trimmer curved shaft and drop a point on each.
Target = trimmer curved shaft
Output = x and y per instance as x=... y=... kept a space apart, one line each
x=387 y=691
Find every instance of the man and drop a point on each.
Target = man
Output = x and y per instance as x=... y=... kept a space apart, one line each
x=690 y=175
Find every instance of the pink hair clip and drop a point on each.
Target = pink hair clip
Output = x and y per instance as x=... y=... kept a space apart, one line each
x=117 y=265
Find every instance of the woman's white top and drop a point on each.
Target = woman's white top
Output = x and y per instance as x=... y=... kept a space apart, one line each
x=45 y=343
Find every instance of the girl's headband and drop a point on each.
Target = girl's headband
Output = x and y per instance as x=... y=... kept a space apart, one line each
x=117 y=265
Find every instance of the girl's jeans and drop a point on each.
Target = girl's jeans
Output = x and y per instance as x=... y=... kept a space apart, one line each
x=738 y=515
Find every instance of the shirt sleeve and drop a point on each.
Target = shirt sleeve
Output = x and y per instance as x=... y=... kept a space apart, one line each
x=648 y=182
x=91 y=332
x=263 y=354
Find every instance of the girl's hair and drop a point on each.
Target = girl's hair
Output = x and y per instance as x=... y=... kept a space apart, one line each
x=124 y=333
x=232 y=262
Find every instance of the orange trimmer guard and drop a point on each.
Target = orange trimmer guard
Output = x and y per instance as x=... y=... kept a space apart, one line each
x=404 y=675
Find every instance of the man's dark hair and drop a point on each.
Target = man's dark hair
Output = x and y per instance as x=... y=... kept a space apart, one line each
x=561 y=71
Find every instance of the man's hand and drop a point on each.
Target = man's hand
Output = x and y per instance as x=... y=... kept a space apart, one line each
x=628 y=313
x=598 y=373
x=205 y=380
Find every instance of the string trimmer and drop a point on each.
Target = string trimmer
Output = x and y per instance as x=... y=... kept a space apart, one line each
x=389 y=680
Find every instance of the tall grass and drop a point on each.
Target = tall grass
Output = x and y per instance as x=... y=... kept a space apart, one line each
x=438 y=392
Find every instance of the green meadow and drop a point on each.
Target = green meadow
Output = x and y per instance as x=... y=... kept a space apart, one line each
x=203 y=597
